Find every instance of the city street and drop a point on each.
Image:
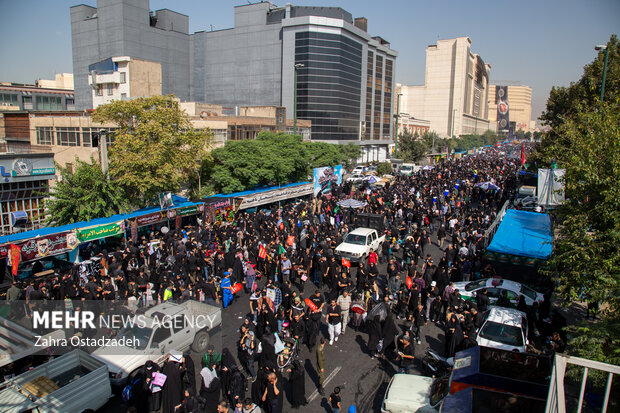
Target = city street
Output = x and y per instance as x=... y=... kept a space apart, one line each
x=362 y=380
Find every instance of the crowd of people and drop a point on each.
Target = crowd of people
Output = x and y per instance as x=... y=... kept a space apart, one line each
x=284 y=260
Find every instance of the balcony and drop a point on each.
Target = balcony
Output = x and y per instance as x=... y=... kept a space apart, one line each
x=95 y=79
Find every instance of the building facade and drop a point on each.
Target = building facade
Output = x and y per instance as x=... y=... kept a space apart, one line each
x=340 y=76
x=24 y=182
x=128 y=28
x=455 y=94
x=519 y=106
x=14 y=96
x=122 y=77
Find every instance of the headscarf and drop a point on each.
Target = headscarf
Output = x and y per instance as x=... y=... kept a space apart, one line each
x=207 y=376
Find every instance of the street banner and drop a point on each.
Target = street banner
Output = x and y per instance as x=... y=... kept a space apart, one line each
x=274 y=195
x=100 y=231
x=44 y=246
x=325 y=178
x=149 y=219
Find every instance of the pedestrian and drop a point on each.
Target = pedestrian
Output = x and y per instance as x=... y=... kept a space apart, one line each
x=297 y=381
x=320 y=364
x=271 y=395
x=334 y=321
x=172 y=392
x=334 y=400
x=406 y=355
x=344 y=301
x=227 y=295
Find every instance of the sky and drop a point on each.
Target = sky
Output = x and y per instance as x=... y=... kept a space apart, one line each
x=538 y=43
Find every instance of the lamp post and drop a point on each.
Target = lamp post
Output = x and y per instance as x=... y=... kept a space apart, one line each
x=396 y=128
x=453 y=116
x=599 y=48
x=297 y=66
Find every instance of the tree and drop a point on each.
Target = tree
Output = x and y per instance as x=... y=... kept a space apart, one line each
x=349 y=154
x=84 y=194
x=155 y=148
x=410 y=147
x=322 y=154
x=268 y=159
x=384 y=168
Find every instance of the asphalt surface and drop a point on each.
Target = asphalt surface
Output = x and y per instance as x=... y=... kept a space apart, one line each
x=362 y=380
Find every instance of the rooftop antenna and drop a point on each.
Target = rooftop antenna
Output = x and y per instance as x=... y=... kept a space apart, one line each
x=212 y=27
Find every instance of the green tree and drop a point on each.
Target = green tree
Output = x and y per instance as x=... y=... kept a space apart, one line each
x=411 y=148
x=84 y=194
x=268 y=159
x=322 y=154
x=349 y=154
x=384 y=168
x=155 y=148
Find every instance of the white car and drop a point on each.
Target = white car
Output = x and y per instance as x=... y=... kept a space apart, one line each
x=409 y=393
x=357 y=178
x=358 y=170
x=504 y=329
x=356 y=246
x=495 y=286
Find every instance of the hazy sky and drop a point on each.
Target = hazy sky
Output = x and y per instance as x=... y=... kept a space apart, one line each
x=539 y=43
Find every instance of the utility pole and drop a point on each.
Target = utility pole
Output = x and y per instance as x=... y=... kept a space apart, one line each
x=103 y=150
x=396 y=128
x=297 y=66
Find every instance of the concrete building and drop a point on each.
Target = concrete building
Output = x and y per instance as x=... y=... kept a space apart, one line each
x=344 y=75
x=408 y=123
x=122 y=77
x=128 y=28
x=17 y=96
x=519 y=106
x=455 y=94
x=61 y=81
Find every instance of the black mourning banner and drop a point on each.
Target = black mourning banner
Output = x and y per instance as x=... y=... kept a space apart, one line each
x=503 y=116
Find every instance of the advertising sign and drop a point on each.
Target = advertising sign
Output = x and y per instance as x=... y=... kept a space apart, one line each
x=149 y=219
x=264 y=198
x=41 y=247
x=325 y=178
x=100 y=231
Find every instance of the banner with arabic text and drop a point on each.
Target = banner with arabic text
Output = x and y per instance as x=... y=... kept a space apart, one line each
x=100 y=231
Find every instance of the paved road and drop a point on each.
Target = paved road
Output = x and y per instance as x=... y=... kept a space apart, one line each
x=363 y=380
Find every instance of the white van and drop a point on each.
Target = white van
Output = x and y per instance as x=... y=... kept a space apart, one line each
x=409 y=393
x=407 y=169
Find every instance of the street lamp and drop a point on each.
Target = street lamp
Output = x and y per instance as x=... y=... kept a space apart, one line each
x=396 y=129
x=297 y=66
x=599 y=48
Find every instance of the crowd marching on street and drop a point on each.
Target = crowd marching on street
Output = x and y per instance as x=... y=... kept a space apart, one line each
x=282 y=261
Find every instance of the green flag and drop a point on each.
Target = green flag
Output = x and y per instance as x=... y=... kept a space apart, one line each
x=281 y=250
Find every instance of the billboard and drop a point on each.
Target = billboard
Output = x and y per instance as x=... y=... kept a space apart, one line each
x=503 y=115
x=325 y=178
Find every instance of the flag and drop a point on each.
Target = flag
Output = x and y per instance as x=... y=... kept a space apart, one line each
x=346 y=263
x=409 y=282
x=290 y=240
x=522 y=155
x=281 y=250
x=281 y=226
x=262 y=252
x=16 y=254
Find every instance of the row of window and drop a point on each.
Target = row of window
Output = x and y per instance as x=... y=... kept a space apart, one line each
x=331 y=51
x=71 y=136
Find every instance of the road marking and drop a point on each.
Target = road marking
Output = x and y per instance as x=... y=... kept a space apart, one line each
x=327 y=380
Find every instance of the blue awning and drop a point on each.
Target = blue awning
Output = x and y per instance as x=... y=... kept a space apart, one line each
x=523 y=233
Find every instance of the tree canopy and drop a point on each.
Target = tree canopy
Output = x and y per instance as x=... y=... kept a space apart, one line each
x=155 y=147
x=84 y=194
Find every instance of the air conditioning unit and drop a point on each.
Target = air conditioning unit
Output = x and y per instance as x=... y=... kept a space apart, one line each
x=19 y=219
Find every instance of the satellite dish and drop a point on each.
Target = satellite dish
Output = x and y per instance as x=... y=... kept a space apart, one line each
x=164 y=230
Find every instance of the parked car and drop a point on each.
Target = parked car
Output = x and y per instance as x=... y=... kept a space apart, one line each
x=407 y=169
x=495 y=286
x=356 y=178
x=156 y=339
x=504 y=329
x=358 y=243
x=409 y=393
x=358 y=170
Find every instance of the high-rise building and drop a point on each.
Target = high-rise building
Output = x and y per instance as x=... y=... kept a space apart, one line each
x=519 y=106
x=127 y=28
x=344 y=76
x=454 y=97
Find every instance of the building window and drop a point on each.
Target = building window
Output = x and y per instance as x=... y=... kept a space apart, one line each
x=48 y=103
x=110 y=89
x=99 y=91
x=123 y=95
x=45 y=136
x=68 y=136
x=89 y=133
x=123 y=77
x=70 y=101
x=23 y=196
x=8 y=100
x=27 y=102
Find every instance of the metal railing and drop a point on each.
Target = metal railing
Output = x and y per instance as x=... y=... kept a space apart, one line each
x=556 y=399
x=488 y=234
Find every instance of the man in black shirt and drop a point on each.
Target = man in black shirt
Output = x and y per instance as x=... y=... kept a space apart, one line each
x=406 y=355
x=334 y=319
